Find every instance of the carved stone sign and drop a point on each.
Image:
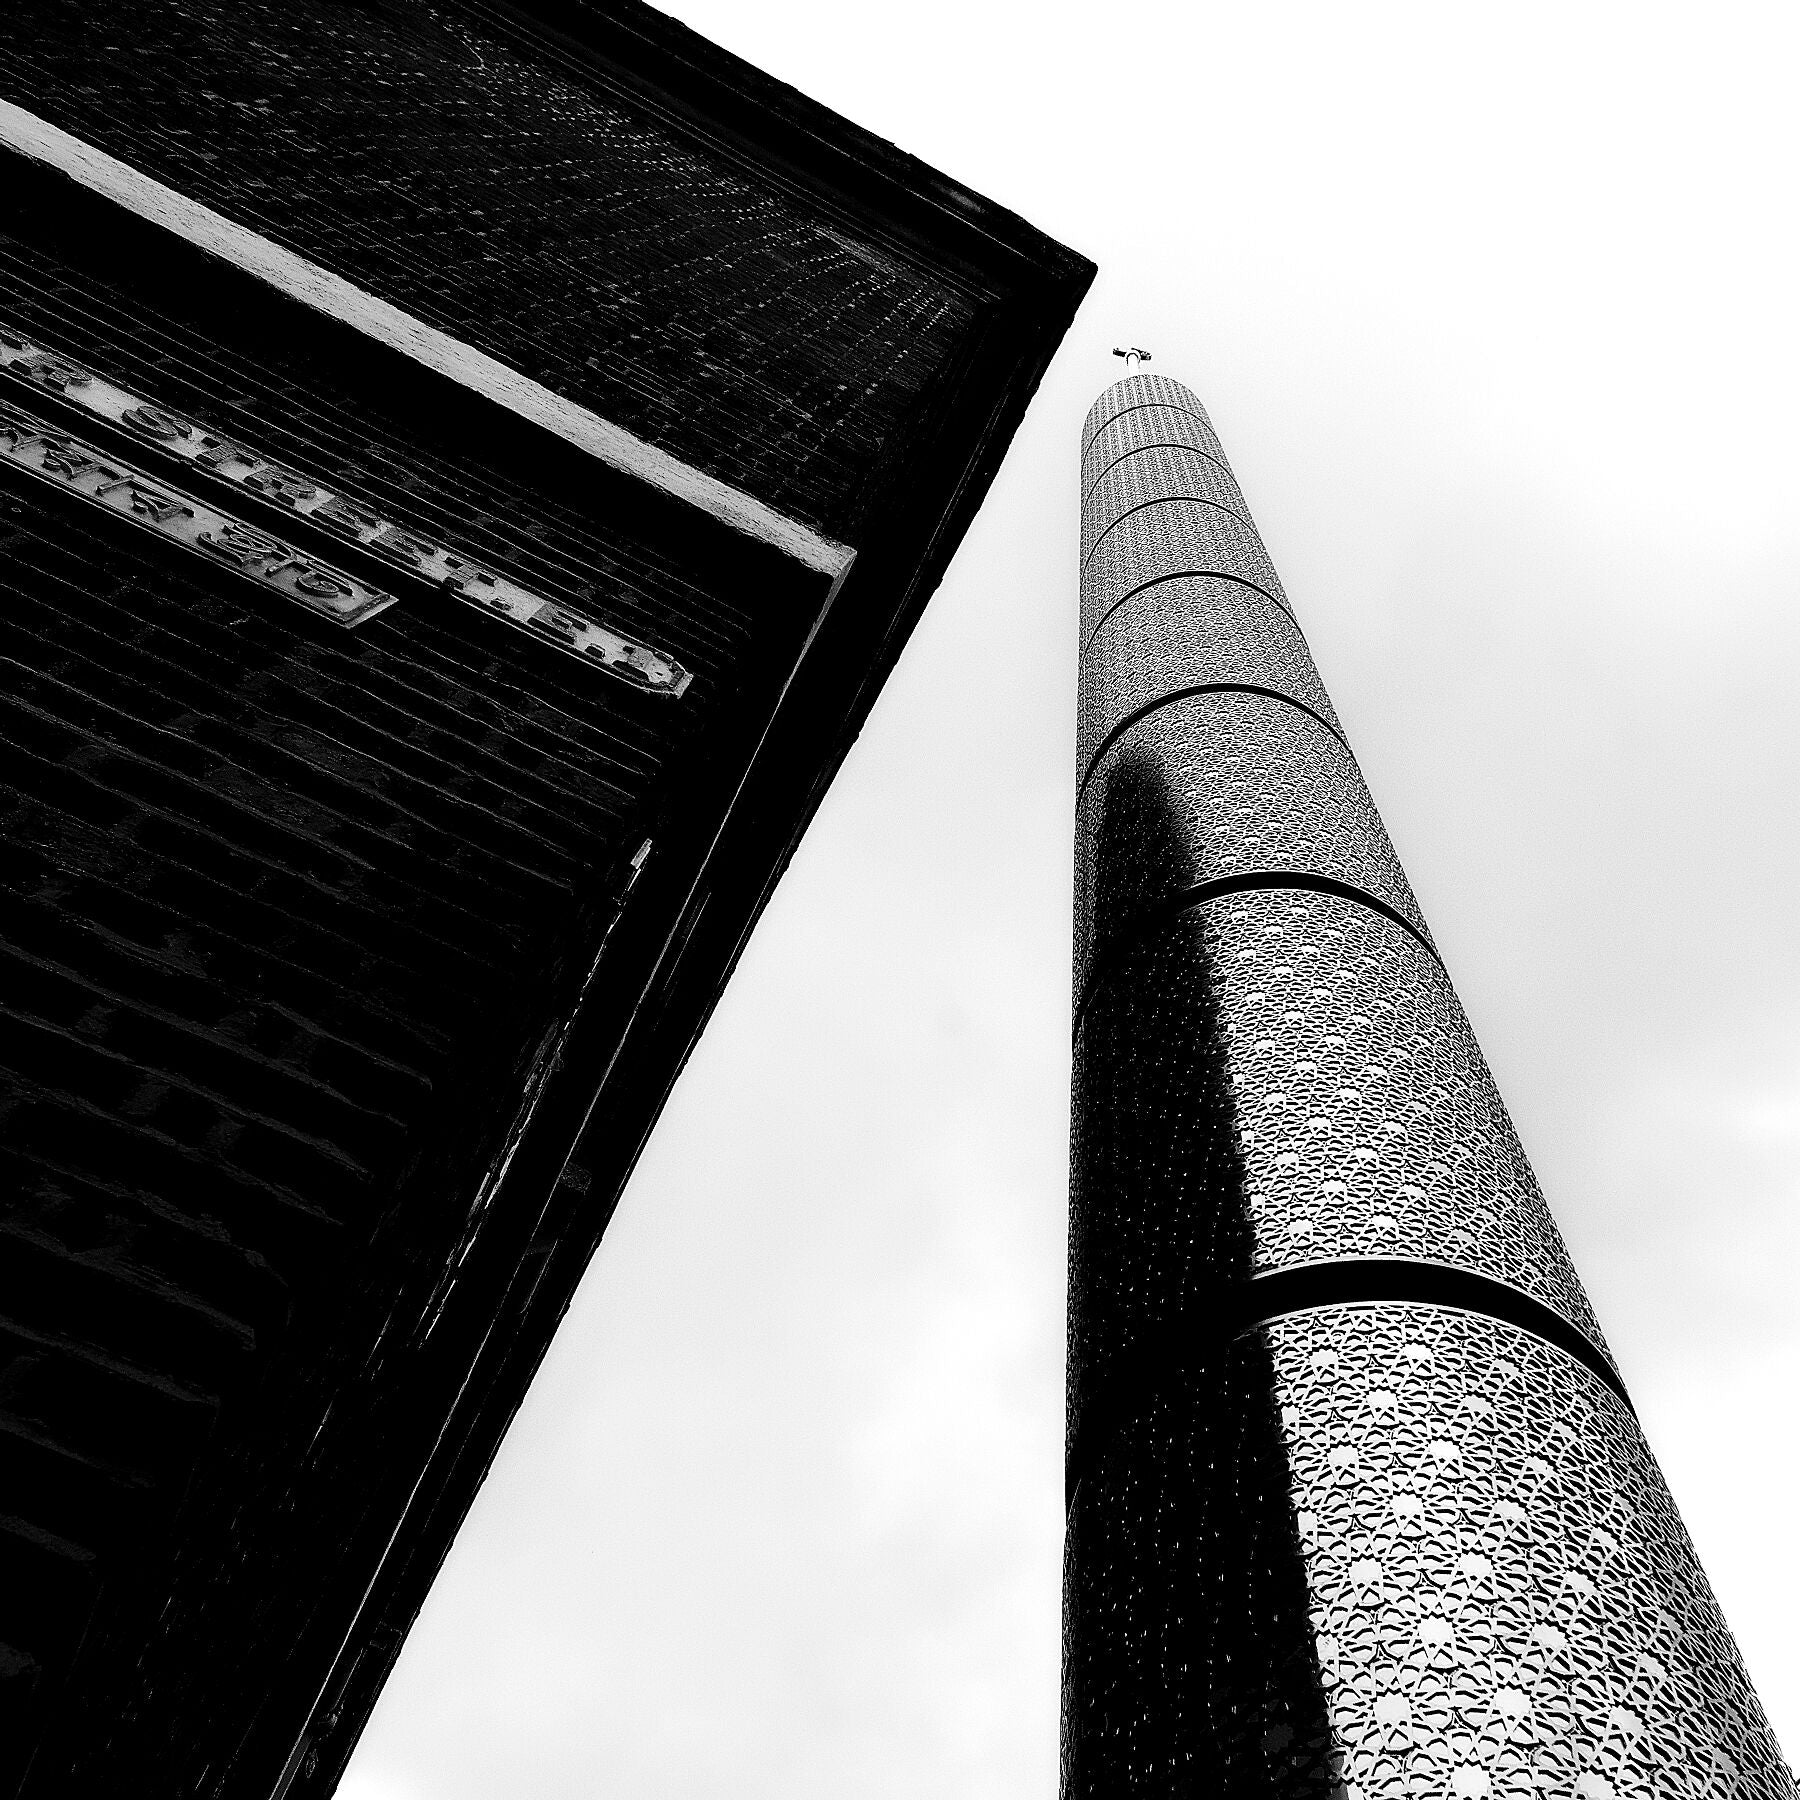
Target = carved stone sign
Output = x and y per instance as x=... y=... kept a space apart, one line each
x=66 y=462
x=34 y=448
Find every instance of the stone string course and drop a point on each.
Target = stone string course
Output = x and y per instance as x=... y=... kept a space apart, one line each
x=532 y=214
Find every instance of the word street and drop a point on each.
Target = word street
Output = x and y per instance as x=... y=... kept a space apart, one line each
x=550 y=621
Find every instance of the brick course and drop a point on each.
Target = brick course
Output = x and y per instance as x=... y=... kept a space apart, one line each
x=520 y=205
x=284 y=912
x=327 y=1035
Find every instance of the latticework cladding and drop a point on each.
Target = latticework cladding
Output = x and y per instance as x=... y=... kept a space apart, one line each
x=1504 y=1599
x=1159 y=472
x=1196 y=631
x=1368 y=1121
x=1282 y=1115
x=1364 y=1122
x=1139 y=391
x=1143 y=428
x=1172 y=537
x=1257 y=787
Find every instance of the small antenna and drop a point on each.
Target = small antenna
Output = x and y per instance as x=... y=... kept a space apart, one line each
x=1133 y=357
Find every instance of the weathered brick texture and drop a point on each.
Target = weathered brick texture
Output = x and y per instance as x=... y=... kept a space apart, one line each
x=417 y=149
x=343 y=973
x=283 y=915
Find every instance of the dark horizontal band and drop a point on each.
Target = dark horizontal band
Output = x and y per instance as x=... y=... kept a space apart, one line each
x=1198 y=1337
x=1187 y=412
x=1183 y=575
x=1119 y=943
x=1217 y=460
x=1231 y=512
x=1381 y=1280
x=1133 y=717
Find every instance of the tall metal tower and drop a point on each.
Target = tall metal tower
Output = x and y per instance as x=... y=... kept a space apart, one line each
x=1358 y=1504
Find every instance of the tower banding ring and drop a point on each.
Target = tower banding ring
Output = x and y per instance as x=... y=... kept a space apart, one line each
x=1358 y=1504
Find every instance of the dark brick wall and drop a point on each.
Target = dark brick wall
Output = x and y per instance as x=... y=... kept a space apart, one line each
x=286 y=915
x=243 y=368
x=259 y=953
x=328 y=1037
x=524 y=206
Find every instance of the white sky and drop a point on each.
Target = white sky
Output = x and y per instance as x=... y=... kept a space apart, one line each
x=1495 y=308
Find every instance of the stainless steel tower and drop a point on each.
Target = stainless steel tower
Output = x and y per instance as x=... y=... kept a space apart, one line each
x=1358 y=1503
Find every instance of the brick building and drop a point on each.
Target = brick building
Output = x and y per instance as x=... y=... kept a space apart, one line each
x=465 y=472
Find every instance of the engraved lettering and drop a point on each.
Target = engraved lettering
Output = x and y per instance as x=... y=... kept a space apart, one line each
x=78 y=467
x=314 y=580
x=54 y=372
x=468 y=572
x=404 y=546
x=153 y=422
x=345 y=517
x=235 y=543
x=53 y=444
x=71 y=460
x=218 y=451
x=20 y=427
x=36 y=448
x=281 y=484
x=157 y=506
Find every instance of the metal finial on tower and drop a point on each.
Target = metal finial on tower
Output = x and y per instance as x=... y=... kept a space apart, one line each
x=1133 y=357
x=1265 y=1575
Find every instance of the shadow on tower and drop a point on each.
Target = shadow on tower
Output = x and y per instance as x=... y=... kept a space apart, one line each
x=1189 y=1668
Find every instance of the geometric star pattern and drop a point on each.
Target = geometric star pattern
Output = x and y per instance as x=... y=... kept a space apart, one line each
x=1192 y=631
x=1258 y=787
x=1364 y=1548
x=1504 y=1600
x=1366 y=1117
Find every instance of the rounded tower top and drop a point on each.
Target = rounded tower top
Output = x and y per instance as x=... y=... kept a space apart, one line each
x=1140 y=390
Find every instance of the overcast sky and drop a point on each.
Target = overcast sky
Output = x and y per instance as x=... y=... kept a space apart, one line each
x=1496 y=310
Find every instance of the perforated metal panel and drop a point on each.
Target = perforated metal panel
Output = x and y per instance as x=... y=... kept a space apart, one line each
x=1173 y=537
x=1254 y=786
x=1143 y=427
x=1504 y=1599
x=1322 y=1541
x=1158 y=472
x=1191 y=632
x=1363 y=1119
